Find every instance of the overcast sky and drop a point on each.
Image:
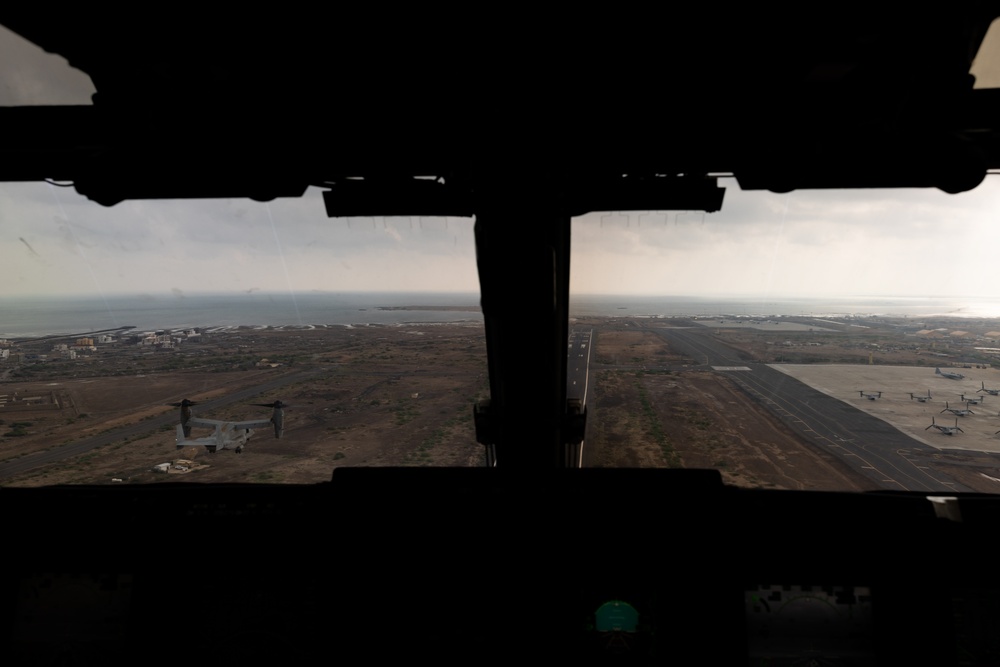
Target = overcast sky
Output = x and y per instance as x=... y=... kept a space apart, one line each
x=892 y=242
x=814 y=243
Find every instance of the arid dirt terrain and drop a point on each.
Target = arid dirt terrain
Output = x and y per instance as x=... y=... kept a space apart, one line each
x=395 y=396
x=378 y=397
x=697 y=419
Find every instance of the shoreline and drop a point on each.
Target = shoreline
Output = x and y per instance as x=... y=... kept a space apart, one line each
x=347 y=319
x=232 y=328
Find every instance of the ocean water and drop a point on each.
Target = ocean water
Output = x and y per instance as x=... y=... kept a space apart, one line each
x=22 y=318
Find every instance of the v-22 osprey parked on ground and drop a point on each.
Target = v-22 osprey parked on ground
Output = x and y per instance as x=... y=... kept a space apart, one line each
x=991 y=392
x=947 y=430
x=958 y=412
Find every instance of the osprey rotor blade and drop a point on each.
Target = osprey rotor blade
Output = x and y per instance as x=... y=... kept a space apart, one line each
x=277 y=405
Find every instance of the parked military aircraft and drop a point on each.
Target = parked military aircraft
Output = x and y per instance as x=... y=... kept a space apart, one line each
x=225 y=434
x=922 y=399
x=974 y=400
x=958 y=412
x=947 y=430
x=991 y=392
x=871 y=395
x=949 y=374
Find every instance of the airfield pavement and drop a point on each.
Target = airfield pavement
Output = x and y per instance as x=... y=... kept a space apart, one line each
x=895 y=406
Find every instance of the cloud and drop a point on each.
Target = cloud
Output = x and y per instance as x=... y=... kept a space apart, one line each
x=806 y=242
x=223 y=245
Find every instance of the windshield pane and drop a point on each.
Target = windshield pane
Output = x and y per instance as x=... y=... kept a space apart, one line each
x=794 y=341
x=368 y=331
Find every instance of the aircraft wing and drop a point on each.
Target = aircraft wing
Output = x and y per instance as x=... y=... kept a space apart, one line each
x=221 y=425
x=255 y=423
x=211 y=423
x=183 y=441
x=221 y=431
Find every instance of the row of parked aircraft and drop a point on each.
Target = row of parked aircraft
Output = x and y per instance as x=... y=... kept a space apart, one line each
x=923 y=398
x=951 y=375
x=958 y=412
